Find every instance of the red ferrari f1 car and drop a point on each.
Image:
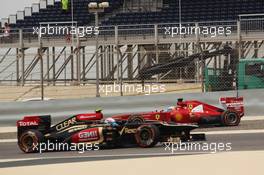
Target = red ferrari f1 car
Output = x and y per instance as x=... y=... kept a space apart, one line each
x=194 y=112
x=92 y=128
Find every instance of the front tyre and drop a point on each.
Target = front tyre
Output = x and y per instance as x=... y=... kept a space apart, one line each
x=29 y=141
x=230 y=118
x=147 y=136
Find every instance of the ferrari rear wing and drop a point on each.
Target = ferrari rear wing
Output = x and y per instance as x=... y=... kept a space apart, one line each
x=233 y=104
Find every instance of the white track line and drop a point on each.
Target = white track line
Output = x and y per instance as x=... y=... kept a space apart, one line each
x=110 y=155
x=14 y=160
x=252 y=118
x=8 y=140
x=115 y=155
x=254 y=131
x=5 y=129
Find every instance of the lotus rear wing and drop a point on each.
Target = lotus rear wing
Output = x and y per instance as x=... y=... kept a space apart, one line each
x=233 y=104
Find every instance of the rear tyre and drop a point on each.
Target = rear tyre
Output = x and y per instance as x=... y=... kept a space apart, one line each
x=147 y=136
x=29 y=141
x=136 y=119
x=230 y=118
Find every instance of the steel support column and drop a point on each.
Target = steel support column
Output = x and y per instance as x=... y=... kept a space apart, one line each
x=22 y=51
x=17 y=66
x=72 y=64
x=53 y=66
x=48 y=65
x=83 y=65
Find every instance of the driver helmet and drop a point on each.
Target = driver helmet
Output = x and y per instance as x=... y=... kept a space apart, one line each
x=111 y=121
x=169 y=109
x=99 y=110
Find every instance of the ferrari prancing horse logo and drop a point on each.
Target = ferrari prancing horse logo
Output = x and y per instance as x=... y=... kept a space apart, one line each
x=157 y=116
x=190 y=107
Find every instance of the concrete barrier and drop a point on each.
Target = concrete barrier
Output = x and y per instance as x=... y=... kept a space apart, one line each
x=11 y=111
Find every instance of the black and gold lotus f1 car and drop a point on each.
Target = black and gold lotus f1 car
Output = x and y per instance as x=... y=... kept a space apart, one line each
x=92 y=128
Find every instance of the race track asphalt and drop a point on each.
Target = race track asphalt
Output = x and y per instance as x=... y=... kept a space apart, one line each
x=11 y=156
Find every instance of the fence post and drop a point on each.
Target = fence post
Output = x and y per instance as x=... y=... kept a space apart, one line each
x=78 y=61
x=41 y=70
x=117 y=54
x=22 y=51
x=239 y=39
x=156 y=46
x=197 y=49
x=119 y=62
x=48 y=66
x=17 y=66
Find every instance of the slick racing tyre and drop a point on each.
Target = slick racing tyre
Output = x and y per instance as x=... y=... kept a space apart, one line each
x=147 y=136
x=136 y=119
x=230 y=118
x=29 y=141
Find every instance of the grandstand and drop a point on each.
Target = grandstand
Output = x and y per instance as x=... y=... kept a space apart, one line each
x=166 y=11
x=51 y=12
x=132 y=41
x=192 y=11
